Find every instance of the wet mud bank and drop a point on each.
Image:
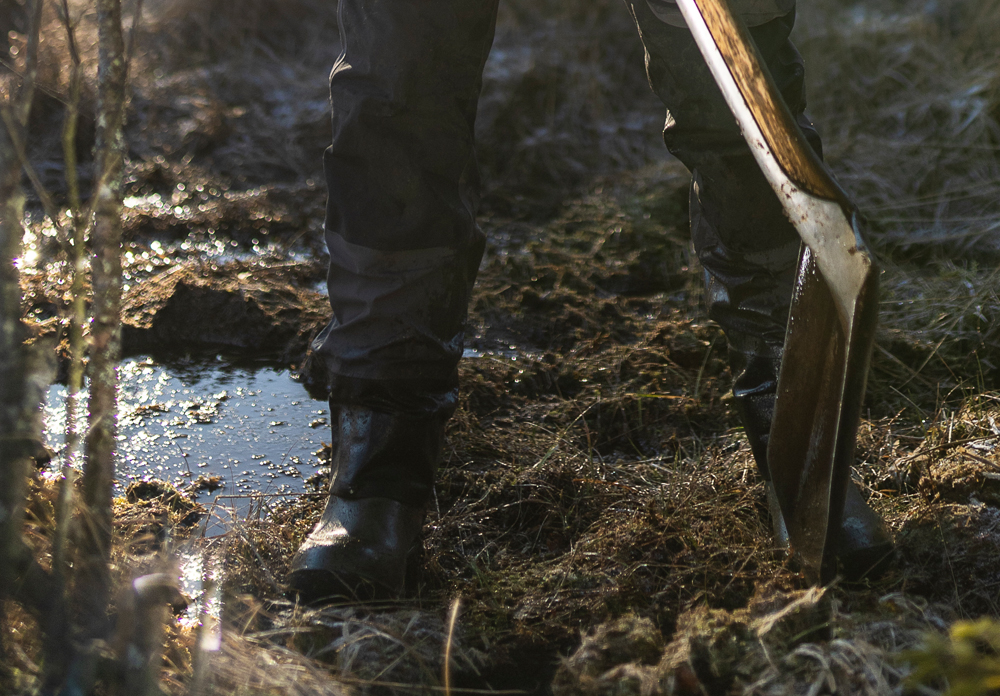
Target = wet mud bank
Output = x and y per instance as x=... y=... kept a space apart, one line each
x=254 y=309
x=594 y=473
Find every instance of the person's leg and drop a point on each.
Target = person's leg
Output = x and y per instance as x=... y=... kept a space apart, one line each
x=404 y=250
x=747 y=246
x=403 y=191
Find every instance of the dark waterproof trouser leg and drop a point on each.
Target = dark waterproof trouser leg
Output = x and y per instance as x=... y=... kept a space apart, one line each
x=403 y=191
x=746 y=245
x=403 y=188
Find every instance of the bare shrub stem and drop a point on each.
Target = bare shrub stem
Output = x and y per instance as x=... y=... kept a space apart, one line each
x=76 y=257
x=99 y=470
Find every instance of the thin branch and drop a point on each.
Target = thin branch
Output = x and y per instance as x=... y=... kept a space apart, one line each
x=74 y=54
x=133 y=33
x=77 y=312
x=43 y=195
x=27 y=94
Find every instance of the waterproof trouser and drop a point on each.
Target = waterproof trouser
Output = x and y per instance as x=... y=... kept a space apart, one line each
x=404 y=187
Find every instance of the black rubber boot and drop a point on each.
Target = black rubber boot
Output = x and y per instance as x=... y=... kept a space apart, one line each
x=366 y=545
x=864 y=544
x=360 y=550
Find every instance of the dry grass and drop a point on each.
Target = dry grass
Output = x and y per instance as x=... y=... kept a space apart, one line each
x=781 y=643
x=906 y=97
x=594 y=468
x=938 y=339
x=212 y=32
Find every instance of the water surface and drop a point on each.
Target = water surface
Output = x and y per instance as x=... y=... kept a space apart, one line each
x=250 y=424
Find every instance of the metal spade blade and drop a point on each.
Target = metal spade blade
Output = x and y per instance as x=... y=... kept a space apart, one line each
x=834 y=307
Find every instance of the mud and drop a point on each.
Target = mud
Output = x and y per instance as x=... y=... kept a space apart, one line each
x=781 y=643
x=598 y=511
x=261 y=309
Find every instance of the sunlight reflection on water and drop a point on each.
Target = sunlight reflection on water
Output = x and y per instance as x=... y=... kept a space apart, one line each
x=252 y=426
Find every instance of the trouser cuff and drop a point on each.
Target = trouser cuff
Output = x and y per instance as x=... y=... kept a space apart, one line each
x=419 y=397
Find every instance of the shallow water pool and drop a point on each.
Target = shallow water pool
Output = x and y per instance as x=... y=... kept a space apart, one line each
x=250 y=424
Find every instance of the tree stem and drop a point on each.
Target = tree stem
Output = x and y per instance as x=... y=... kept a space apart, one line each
x=105 y=350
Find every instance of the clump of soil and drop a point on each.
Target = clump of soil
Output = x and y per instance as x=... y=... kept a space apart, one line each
x=235 y=306
x=781 y=643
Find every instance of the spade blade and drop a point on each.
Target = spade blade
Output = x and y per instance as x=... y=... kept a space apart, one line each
x=834 y=307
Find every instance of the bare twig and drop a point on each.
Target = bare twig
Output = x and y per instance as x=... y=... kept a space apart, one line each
x=23 y=106
x=36 y=182
x=446 y=667
x=133 y=31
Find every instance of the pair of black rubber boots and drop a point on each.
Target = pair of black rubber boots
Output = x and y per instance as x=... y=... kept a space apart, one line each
x=368 y=547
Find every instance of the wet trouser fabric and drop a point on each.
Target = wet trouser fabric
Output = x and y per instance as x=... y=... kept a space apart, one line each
x=403 y=192
x=404 y=186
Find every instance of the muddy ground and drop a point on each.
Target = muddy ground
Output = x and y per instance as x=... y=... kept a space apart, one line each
x=597 y=497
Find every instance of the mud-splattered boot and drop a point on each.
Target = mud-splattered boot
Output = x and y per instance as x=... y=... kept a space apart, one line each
x=366 y=545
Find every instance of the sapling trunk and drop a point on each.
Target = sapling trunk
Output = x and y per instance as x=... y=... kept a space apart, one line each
x=76 y=259
x=105 y=341
x=13 y=435
x=22 y=382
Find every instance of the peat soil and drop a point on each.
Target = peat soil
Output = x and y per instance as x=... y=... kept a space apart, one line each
x=598 y=519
